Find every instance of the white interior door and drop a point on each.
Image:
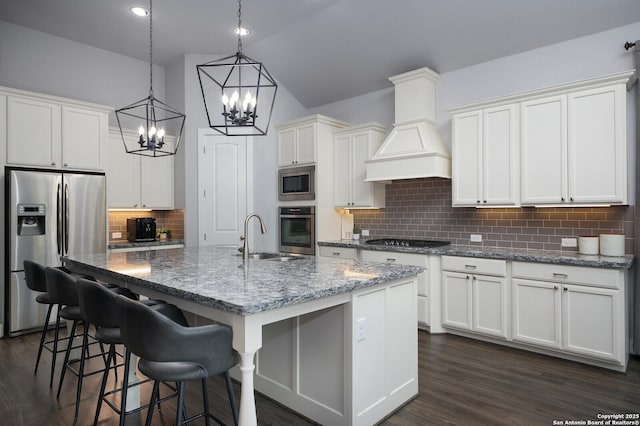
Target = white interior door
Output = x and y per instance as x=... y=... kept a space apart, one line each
x=222 y=188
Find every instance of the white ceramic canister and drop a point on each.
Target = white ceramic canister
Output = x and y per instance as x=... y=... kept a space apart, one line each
x=588 y=244
x=612 y=244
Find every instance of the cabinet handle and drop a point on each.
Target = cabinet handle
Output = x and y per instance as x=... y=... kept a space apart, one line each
x=470 y=266
x=390 y=260
x=144 y=205
x=65 y=165
x=477 y=201
x=484 y=201
x=558 y=275
x=562 y=199
x=53 y=163
x=135 y=205
x=571 y=199
x=555 y=287
x=467 y=276
x=335 y=253
x=565 y=289
x=474 y=278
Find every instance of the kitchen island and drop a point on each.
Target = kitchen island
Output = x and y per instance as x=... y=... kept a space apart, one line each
x=337 y=338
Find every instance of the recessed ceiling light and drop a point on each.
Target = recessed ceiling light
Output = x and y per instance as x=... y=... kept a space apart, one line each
x=139 y=11
x=241 y=31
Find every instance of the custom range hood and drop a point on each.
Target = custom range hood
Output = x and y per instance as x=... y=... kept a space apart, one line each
x=413 y=149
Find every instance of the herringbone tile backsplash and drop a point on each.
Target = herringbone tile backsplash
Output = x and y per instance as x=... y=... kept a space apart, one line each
x=421 y=209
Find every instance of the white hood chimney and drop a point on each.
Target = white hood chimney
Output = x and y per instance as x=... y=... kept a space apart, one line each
x=413 y=149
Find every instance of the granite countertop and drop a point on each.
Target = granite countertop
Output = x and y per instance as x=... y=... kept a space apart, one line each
x=524 y=255
x=218 y=277
x=127 y=244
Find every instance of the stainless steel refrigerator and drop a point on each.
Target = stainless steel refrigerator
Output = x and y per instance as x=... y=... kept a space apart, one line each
x=48 y=214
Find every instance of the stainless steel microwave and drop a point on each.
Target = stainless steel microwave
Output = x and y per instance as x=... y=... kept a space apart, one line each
x=297 y=183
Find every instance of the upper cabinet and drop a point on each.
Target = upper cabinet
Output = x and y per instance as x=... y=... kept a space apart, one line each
x=298 y=140
x=44 y=131
x=574 y=147
x=485 y=157
x=561 y=146
x=137 y=181
x=351 y=148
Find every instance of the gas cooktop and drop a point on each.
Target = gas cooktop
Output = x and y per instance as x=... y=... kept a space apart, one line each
x=408 y=243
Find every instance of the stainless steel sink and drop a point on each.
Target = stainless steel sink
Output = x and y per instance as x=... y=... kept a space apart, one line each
x=277 y=257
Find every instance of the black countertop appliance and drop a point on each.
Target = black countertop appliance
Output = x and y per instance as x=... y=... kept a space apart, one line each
x=141 y=229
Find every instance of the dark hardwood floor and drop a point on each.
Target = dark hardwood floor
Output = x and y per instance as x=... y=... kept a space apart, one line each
x=462 y=382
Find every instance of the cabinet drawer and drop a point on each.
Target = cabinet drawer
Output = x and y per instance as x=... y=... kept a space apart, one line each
x=342 y=252
x=475 y=265
x=597 y=277
x=393 y=257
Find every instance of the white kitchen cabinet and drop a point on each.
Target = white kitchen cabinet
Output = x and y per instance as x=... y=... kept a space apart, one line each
x=351 y=148
x=485 y=157
x=297 y=145
x=428 y=313
x=338 y=252
x=136 y=181
x=578 y=310
x=45 y=131
x=574 y=147
x=475 y=295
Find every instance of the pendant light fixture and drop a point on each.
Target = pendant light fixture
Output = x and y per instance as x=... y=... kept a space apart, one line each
x=151 y=117
x=238 y=92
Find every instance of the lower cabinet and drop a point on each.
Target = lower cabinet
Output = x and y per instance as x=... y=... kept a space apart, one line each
x=341 y=252
x=474 y=301
x=584 y=320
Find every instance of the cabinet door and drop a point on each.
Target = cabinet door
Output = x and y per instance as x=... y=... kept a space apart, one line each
x=286 y=147
x=123 y=175
x=592 y=324
x=306 y=144
x=500 y=160
x=83 y=137
x=467 y=140
x=543 y=147
x=156 y=182
x=456 y=300
x=33 y=137
x=536 y=313
x=342 y=163
x=490 y=305
x=361 y=192
x=597 y=147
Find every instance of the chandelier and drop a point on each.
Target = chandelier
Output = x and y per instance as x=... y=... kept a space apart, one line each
x=238 y=92
x=151 y=117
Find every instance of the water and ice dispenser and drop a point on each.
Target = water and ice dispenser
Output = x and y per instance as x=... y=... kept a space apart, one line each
x=31 y=219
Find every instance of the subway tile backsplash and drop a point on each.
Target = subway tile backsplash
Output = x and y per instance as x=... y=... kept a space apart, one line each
x=170 y=219
x=421 y=209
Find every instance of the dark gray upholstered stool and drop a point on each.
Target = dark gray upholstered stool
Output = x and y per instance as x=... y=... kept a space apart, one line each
x=100 y=307
x=36 y=280
x=61 y=288
x=169 y=351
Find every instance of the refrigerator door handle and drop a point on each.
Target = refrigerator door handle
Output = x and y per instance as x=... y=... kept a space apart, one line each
x=59 y=219
x=66 y=218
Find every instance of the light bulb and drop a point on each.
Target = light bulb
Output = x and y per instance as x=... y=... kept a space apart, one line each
x=152 y=131
x=225 y=100
x=247 y=97
x=141 y=130
x=161 y=133
x=253 y=103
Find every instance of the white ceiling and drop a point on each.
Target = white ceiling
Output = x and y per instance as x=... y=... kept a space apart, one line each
x=328 y=50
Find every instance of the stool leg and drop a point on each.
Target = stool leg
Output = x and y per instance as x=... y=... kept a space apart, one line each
x=54 y=354
x=125 y=386
x=103 y=384
x=85 y=344
x=66 y=356
x=44 y=335
x=205 y=403
x=179 y=410
x=232 y=397
x=155 y=397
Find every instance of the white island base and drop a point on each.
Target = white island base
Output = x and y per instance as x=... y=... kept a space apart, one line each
x=353 y=363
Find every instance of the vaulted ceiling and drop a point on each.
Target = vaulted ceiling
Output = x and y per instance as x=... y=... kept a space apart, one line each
x=328 y=50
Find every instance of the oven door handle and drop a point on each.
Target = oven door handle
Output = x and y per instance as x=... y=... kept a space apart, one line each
x=293 y=216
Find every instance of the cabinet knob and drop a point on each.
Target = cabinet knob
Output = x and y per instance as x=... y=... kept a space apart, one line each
x=562 y=199
x=555 y=287
x=484 y=201
x=53 y=163
x=478 y=201
x=565 y=289
x=467 y=276
x=65 y=165
x=144 y=205
x=571 y=199
x=135 y=205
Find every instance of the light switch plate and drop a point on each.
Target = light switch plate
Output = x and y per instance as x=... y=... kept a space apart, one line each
x=569 y=242
x=361 y=329
x=365 y=232
x=476 y=238
x=116 y=235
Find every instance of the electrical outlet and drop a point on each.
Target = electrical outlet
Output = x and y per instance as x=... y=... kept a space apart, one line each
x=361 y=329
x=476 y=238
x=365 y=232
x=116 y=235
x=569 y=242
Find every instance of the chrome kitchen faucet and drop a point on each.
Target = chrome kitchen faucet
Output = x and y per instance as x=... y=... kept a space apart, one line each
x=245 y=237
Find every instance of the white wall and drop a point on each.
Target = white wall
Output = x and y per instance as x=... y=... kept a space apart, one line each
x=32 y=60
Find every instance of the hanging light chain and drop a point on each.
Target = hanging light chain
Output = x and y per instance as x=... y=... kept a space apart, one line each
x=239 y=26
x=150 y=47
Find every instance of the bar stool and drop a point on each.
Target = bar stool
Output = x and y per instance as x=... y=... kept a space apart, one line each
x=36 y=280
x=61 y=287
x=100 y=307
x=171 y=352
